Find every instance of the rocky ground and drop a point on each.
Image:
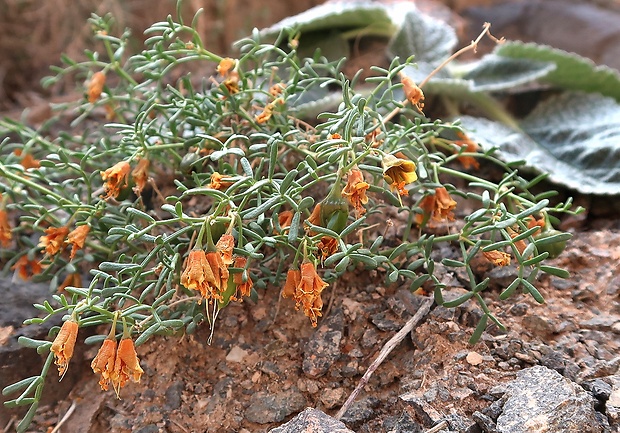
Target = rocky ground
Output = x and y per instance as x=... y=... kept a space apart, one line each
x=266 y=364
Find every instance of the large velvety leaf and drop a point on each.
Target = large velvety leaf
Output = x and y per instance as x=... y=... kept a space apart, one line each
x=494 y=73
x=574 y=137
x=428 y=39
x=573 y=72
x=331 y=16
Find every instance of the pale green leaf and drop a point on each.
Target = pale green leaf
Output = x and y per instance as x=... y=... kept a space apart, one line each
x=494 y=73
x=573 y=72
x=574 y=137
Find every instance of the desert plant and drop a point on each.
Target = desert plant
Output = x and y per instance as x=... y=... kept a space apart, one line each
x=197 y=191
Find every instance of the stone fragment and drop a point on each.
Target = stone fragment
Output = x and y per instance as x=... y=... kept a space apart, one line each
x=424 y=411
x=323 y=348
x=265 y=407
x=541 y=400
x=312 y=421
x=474 y=358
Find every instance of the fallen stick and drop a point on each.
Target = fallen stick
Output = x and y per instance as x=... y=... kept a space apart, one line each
x=385 y=351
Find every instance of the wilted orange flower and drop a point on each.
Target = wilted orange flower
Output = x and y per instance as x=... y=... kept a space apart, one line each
x=276 y=89
x=26 y=268
x=225 y=65
x=265 y=115
x=28 y=161
x=140 y=175
x=198 y=274
x=74 y=280
x=498 y=258
x=520 y=245
x=225 y=248
x=244 y=288
x=285 y=218
x=232 y=83
x=53 y=240
x=309 y=292
x=412 y=92
x=115 y=178
x=355 y=190
x=306 y=287
x=293 y=278
x=103 y=363
x=220 y=273
x=126 y=365
x=467 y=161
x=95 y=86
x=438 y=207
x=77 y=238
x=63 y=345
x=533 y=222
x=398 y=172
x=217 y=182
x=327 y=246
x=5 y=229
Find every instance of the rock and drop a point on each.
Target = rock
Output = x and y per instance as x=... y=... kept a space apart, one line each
x=361 y=411
x=236 y=354
x=323 y=348
x=540 y=399
x=474 y=358
x=265 y=407
x=486 y=423
x=173 y=395
x=401 y=424
x=461 y=424
x=332 y=397
x=424 y=411
x=600 y=389
x=312 y=421
x=601 y=323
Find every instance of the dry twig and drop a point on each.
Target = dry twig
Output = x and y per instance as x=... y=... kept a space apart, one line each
x=385 y=351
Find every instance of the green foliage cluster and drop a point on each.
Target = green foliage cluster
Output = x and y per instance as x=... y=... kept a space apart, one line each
x=233 y=155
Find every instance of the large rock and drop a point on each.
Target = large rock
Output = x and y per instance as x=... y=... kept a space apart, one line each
x=541 y=400
x=312 y=421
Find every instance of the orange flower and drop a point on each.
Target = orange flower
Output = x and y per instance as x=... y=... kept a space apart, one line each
x=315 y=216
x=293 y=278
x=276 y=89
x=285 y=218
x=103 y=363
x=232 y=83
x=355 y=190
x=225 y=247
x=140 y=175
x=437 y=206
x=443 y=205
x=244 y=288
x=95 y=86
x=115 y=178
x=217 y=182
x=220 y=273
x=198 y=274
x=225 y=65
x=63 y=345
x=28 y=161
x=77 y=238
x=412 y=92
x=27 y=268
x=470 y=147
x=267 y=111
x=306 y=287
x=520 y=245
x=335 y=136
x=73 y=280
x=126 y=365
x=498 y=258
x=54 y=239
x=5 y=229
x=327 y=246
x=398 y=172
